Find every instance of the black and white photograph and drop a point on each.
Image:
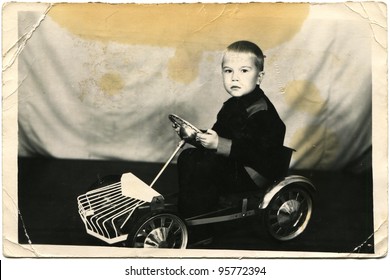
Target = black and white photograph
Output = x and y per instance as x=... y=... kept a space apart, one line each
x=195 y=130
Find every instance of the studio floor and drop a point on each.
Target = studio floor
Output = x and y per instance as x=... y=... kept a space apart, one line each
x=342 y=220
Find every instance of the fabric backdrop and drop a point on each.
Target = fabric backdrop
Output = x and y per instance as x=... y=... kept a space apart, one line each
x=97 y=81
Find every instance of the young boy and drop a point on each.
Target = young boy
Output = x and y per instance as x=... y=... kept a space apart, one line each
x=244 y=148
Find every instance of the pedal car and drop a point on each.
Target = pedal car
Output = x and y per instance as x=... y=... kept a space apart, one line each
x=123 y=209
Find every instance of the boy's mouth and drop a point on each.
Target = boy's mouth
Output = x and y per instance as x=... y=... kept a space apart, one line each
x=234 y=87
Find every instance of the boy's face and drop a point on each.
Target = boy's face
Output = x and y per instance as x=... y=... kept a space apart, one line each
x=240 y=74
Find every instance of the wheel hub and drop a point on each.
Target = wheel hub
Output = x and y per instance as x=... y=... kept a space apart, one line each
x=157 y=238
x=288 y=214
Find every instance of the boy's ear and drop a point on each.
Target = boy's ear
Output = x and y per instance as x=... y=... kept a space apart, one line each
x=260 y=78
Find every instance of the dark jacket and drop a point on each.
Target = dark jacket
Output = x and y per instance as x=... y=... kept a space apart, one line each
x=257 y=133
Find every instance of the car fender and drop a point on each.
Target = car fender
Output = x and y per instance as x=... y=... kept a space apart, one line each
x=271 y=192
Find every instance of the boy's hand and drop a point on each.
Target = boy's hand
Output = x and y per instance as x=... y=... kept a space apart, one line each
x=209 y=139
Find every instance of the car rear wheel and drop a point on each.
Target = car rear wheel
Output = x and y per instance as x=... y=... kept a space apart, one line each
x=289 y=213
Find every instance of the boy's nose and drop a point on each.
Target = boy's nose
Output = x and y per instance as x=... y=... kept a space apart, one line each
x=234 y=77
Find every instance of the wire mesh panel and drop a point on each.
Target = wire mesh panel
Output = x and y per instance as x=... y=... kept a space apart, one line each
x=105 y=211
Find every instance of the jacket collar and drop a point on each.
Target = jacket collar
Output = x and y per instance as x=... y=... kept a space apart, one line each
x=249 y=98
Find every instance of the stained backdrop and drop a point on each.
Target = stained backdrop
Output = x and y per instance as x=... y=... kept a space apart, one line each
x=97 y=81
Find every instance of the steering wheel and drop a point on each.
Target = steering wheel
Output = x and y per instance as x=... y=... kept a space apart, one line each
x=186 y=131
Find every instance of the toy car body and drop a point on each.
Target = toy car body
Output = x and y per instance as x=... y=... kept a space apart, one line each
x=123 y=209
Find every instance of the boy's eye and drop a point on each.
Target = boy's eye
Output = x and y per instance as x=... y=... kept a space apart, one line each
x=245 y=70
x=227 y=71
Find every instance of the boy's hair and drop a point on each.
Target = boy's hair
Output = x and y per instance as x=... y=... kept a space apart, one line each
x=249 y=47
